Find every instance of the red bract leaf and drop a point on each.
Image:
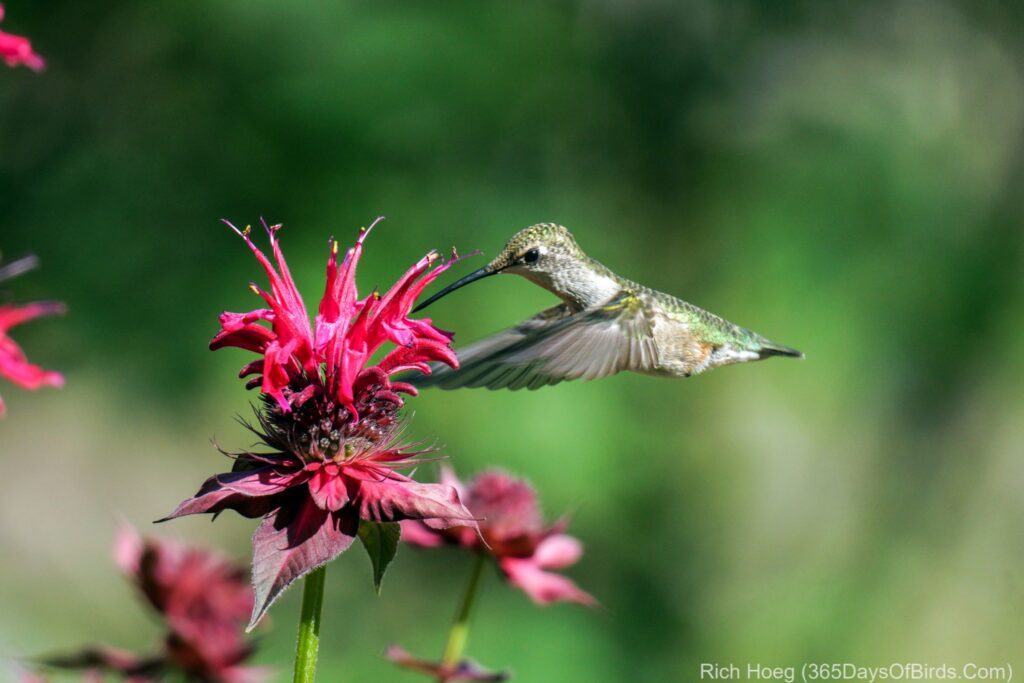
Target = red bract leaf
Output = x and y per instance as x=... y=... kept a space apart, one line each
x=327 y=489
x=392 y=500
x=249 y=493
x=292 y=542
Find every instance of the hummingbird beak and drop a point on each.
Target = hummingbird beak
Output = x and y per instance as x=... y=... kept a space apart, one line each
x=478 y=274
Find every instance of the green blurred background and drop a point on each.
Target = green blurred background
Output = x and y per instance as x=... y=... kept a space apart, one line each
x=842 y=177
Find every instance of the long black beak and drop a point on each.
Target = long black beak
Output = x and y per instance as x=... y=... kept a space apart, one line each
x=478 y=274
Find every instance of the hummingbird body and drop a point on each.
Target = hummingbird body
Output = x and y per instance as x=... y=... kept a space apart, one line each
x=604 y=325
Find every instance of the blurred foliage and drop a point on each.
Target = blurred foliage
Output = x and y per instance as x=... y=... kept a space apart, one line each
x=843 y=177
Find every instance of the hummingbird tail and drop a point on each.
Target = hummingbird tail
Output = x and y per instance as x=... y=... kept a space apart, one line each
x=768 y=350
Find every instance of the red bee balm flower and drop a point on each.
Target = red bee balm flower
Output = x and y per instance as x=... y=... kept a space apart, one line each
x=14 y=366
x=512 y=531
x=204 y=601
x=331 y=420
x=16 y=50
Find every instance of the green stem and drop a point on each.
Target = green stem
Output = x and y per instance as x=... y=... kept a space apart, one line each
x=309 y=625
x=457 y=636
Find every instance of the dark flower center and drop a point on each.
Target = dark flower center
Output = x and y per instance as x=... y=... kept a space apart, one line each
x=322 y=430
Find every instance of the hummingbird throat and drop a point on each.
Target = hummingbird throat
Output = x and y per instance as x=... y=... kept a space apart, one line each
x=580 y=284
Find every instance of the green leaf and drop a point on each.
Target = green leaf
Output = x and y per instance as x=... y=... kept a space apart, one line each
x=381 y=542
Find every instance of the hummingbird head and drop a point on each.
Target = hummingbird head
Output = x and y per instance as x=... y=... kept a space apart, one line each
x=535 y=253
x=540 y=248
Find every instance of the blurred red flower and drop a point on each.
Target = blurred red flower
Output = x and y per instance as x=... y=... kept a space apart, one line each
x=16 y=50
x=512 y=531
x=14 y=365
x=330 y=418
x=204 y=601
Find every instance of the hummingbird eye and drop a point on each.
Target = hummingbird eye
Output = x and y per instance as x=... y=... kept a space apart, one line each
x=531 y=256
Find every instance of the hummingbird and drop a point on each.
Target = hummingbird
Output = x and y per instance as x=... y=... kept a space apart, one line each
x=604 y=325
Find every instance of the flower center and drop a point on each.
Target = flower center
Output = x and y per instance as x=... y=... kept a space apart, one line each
x=321 y=430
x=508 y=505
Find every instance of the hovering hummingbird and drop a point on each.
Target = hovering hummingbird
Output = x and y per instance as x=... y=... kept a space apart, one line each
x=605 y=324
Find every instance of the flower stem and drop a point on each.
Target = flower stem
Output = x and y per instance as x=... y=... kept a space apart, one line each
x=309 y=625
x=459 y=632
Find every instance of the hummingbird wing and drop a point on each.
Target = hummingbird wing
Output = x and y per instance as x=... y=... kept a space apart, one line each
x=474 y=356
x=555 y=346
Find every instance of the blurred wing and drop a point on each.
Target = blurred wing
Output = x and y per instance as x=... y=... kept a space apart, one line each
x=556 y=346
x=476 y=353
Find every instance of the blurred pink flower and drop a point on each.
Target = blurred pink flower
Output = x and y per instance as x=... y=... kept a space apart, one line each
x=203 y=599
x=16 y=50
x=512 y=531
x=14 y=365
x=331 y=419
x=466 y=670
